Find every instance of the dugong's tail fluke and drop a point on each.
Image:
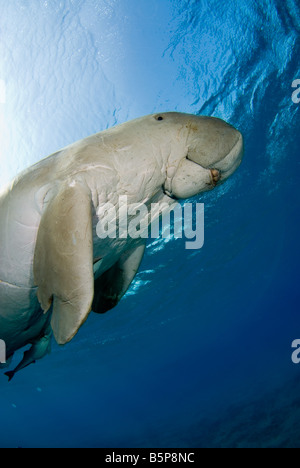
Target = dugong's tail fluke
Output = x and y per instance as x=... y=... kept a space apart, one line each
x=10 y=375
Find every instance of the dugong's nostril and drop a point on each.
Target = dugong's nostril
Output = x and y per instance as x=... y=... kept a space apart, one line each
x=215 y=176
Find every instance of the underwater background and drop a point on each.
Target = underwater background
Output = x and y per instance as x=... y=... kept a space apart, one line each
x=198 y=353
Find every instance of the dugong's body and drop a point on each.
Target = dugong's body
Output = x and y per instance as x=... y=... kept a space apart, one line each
x=53 y=267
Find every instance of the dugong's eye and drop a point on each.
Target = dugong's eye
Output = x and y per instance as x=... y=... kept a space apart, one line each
x=159 y=117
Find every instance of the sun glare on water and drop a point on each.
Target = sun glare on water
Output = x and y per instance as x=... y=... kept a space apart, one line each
x=2 y=92
x=4 y=176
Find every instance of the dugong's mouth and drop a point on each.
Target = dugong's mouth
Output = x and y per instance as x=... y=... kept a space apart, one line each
x=215 y=176
x=203 y=169
x=225 y=164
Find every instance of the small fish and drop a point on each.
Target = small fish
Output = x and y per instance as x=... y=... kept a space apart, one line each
x=38 y=350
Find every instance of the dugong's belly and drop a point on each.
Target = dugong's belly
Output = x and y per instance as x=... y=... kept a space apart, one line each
x=18 y=232
x=21 y=318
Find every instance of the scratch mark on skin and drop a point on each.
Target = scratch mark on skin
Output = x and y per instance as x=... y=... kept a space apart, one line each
x=12 y=285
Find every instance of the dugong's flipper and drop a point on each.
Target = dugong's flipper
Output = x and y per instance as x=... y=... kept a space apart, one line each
x=40 y=347
x=63 y=260
x=112 y=285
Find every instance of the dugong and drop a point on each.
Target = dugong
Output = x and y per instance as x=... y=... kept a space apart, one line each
x=54 y=269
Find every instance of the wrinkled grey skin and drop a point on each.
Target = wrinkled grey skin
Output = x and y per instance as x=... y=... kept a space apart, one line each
x=53 y=267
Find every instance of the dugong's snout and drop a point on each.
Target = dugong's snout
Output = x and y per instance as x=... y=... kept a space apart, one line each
x=230 y=161
x=214 y=152
x=229 y=164
x=218 y=146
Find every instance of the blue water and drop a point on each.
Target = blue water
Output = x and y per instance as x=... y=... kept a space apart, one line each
x=199 y=351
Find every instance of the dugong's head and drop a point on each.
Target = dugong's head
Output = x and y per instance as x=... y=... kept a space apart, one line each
x=205 y=152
